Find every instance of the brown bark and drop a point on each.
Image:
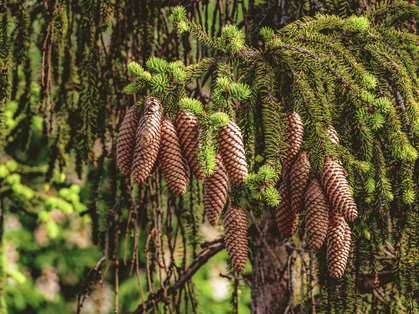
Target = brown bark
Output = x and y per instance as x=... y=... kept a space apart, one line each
x=270 y=270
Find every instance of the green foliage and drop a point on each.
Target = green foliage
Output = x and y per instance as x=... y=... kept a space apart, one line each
x=157 y=65
x=191 y=105
x=219 y=119
x=135 y=68
x=64 y=88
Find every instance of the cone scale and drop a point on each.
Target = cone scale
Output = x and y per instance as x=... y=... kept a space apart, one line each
x=188 y=131
x=231 y=148
x=286 y=218
x=215 y=192
x=338 y=246
x=316 y=219
x=145 y=156
x=235 y=228
x=174 y=168
x=300 y=174
x=126 y=141
x=295 y=130
x=337 y=190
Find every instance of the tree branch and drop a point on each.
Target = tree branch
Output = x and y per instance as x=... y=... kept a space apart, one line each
x=158 y=296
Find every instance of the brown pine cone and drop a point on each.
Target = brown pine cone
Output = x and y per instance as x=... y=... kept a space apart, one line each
x=155 y=167
x=144 y=157
x=286 y=218
x=295 y=130
x=215 y=192
x=231 y=147
x=235 y=229
x=337 y=190
x=153 y=113
x=316 y=214
x=187 y=127
x=300 y=174
x=126 y=141
x=338 y=246
x=174 y=168
x=333 y=135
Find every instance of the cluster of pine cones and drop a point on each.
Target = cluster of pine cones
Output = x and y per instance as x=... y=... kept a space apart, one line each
x=328 y=204
x=153 y=140
x=148 y=142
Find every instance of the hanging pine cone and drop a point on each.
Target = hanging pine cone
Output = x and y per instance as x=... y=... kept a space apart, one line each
x=235 y=229
x=155 y=167
x=287 y=219
x=215 y=192
x=300 y=174
x=144 y=157
x=295 y=130
x=189 y=134
x=316 y=214
x=153 y=113
x=333 y=135
x=337 y=190
x=126 y=142
x=231 y=147
x=338 y=245
x=174 y=168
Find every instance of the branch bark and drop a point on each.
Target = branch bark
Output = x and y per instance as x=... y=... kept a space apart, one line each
x=158 y=296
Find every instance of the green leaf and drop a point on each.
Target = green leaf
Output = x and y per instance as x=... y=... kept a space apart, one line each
x=131 y=88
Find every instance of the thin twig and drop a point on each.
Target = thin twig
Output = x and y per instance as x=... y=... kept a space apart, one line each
x=158 y=296
x=237 y=278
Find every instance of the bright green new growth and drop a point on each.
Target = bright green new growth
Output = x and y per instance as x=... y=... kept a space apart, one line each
x=179 y=14
x=240 y=91
x=219 y=119
x=132 y=88
x=157 y=65
x=356 y=24
x=135 y=68
x=191 y=105
x=267 y=33
x=159 y=82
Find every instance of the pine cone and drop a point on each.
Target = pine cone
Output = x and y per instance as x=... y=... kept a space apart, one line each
x=333 y=135
x=235 y=229
x=144 y=157
x=126 y=142
x=287 y=219
x=316 y=214
x=300 y=174
x=215 y=192
x=174 y=168
x=337 y=190
x=155 y=166
x=295 y=130
x=189 y=134
x=338 y=245
x=153 y=113
x=231 y=147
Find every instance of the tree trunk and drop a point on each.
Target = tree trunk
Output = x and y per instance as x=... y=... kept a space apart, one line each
x=270 y=293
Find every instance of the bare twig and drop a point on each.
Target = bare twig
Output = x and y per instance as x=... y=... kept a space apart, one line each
x=158 y=296
x=237 y=278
